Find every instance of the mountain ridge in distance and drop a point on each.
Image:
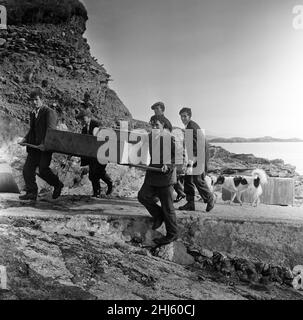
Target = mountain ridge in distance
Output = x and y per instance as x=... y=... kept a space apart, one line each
x=247 y=140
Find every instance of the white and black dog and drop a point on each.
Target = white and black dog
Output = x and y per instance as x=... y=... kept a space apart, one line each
x=239 y=184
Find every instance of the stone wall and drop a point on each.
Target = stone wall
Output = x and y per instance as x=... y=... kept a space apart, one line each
x=268 y=241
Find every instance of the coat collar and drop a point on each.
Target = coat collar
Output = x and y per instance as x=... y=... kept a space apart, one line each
x=40 y=112
x=189 y=122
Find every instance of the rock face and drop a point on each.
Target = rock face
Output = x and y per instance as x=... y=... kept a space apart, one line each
x=43 y=11
x=44 y=46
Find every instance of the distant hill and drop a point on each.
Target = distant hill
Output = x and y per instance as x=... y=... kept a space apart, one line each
x=246 y=140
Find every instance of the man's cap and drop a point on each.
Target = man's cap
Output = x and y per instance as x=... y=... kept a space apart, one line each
x=160 y=104
x=37 y=92
x=83 y=113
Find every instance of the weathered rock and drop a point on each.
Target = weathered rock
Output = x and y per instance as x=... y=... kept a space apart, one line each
x=43 y=11
x=206 y=253
x=85 y=256
x=175 y=252
x=297 y=282
x=297 y=270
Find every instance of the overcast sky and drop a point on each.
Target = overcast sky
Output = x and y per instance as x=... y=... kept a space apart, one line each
x=237 y=63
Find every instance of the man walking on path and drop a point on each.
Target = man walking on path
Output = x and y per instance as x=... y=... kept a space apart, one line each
x=160 y=184
x=192 y=180
x=41 y=119
x=97 y=170
x=159 y=109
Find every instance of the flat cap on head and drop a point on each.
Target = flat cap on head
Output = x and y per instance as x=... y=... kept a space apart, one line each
x=160 y=104
x=37 y=92
x=83 y=113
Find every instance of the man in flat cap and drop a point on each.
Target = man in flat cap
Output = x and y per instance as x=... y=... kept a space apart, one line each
x=86 y=102
x=97 y=170
x=159 y=109
x=41 y=119
x=160 y=184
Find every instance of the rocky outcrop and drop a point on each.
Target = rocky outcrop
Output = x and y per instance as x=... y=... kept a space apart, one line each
x=225 y=162
x=41 y=11
x=80 y=248
x=44 y=46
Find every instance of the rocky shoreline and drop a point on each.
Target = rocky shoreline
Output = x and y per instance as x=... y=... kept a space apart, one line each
x=223 y=161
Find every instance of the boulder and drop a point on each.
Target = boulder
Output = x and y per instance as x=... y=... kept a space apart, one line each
x=2 y=42
x=7 y=181
x=175 y=252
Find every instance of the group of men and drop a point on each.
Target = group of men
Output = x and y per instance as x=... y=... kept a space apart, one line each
x=160 y=185
x=160 y=179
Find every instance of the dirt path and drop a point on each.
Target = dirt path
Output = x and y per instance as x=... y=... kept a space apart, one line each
x=69 y=205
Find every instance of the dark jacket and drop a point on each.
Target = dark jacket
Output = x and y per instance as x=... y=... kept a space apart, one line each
x=46 y=119
x=160 y=179
x=169 y=125
x=85 y=161
x=194 y=126
x=93 y=124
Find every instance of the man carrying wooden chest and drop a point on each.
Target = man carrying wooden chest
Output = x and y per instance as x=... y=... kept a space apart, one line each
x=97 y=170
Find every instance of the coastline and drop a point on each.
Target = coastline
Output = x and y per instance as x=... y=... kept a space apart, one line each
x=211 y=141
x=223 y=161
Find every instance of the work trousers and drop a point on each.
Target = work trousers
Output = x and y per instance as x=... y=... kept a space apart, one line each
x=178 y=186
x=97 y=171
x=189 y=188
x=166 y=211
x=42 y=160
